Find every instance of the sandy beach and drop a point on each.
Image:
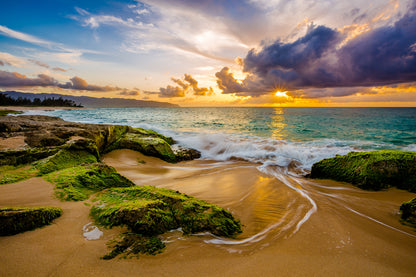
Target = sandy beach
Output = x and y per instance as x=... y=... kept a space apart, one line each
x=43 y=108
x=364 y=240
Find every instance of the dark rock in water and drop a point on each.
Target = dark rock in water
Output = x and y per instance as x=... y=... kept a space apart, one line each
x=408 y=210
x=185 y=154
x=21 y=219
x=371 y=170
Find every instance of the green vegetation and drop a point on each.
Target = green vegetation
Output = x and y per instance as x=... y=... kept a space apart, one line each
x=151 y=133
x=12 y=174
x=64 y=159
x=79 y=182
x=20 y=219
x=6 y=112
x=149 y=211
x=135 y=244
x=371 y=170
x=408 y=210
x=148 y=145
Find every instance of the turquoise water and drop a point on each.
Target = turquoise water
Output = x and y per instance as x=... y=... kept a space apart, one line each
x=268 y=135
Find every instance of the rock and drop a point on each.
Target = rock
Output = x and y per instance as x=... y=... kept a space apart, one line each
x=64 y=159
x=408 y=210
x=185 y=154
x=79 y=182
x=134 y=244
x=371 y=170
x=150 y=146
x=43 y=131
x=25 y=156
x=20 y=219
x=148 y=211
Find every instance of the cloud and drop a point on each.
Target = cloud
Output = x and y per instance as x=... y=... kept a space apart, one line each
x=322 y=59
x=39 y=63
x=184 y=86
x=11 y=60
x=78 y=83
x=25 y=37
x=14 y=79
x=2 y=63
x=130 y=93
x=59 y=69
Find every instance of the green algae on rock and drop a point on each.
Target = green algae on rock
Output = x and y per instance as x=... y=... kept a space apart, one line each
x=150 y=211
x=373 y=170
x=150 y=146
x=135 y=244
x=408 y=210
x=14 y=220
x=64 y=159
x=12 y=174
x=79 y=182
x=6 y=112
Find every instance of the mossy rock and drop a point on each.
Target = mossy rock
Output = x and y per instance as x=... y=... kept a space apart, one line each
x=6 y=112
x=25 y=156
x=79 y=182
x=151 y=146
x=371 y=170
x=64 y=159
x=14 y=220
x=151 y=133
x=12 y=174
x=135 y=244
x=408 y=210
x=150 y=211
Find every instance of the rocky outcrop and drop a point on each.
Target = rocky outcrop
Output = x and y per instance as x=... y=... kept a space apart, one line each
x=54 y=144
x=68 y=155
x=42 y=132
x=20 y=219
x=371 y=170
x=148 y=211
x=408 y=210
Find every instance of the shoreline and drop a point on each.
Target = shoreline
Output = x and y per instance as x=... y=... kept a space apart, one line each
x=342 y=237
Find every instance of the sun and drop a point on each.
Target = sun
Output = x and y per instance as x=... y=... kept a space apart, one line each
x=281 y=94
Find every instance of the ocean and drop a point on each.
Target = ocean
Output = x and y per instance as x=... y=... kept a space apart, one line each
x=272 y=136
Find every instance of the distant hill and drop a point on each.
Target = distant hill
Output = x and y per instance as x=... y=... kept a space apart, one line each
x=93 y=102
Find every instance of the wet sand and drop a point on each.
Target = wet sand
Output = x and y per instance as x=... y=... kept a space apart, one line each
x=350 y=233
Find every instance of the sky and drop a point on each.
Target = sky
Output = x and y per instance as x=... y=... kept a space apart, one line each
x=213 y=52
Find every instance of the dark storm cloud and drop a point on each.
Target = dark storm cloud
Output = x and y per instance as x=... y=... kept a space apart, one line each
x=382 y=56
x=14 y=79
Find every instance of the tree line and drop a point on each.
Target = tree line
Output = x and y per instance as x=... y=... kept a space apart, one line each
x=48 y=102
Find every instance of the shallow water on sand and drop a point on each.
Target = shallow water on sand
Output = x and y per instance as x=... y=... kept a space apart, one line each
x=284 y=211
